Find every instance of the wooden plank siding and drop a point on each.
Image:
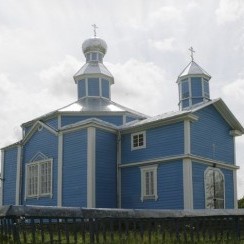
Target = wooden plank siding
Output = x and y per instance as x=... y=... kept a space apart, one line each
x=162 y=141
x=47 y=143
x=210 y=136
x=75 y=169
x=106 y=182
x=170 y=187
x=70 y=119
x=10 y=168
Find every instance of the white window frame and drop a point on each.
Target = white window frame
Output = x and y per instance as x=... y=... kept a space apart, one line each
x=143 y=133
x=38 y=194
x=205 y=180
x=144 y=170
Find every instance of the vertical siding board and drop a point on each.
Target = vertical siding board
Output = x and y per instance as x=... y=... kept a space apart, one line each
x=216 y=141
x=105 y=169
x=67 y=120
x=160 y=142
x=75 y=169
x=198 y=185
x=229 y=188
x=10 y=169
x=170 y=187
x=47 y=143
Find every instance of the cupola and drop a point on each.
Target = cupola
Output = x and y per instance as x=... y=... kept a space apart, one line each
x=94 y=79
x=193 y=83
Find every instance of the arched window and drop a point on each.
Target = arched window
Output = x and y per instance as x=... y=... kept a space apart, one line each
x=214 y=188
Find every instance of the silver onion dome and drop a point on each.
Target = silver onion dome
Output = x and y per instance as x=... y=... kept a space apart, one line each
x=94 y=44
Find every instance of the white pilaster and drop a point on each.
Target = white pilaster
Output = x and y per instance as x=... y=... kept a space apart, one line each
x=118 y=170
x=2 y=177
x=235 y=189
x=18 y=174
x=60 y=170
x=187 y=184
x=187 y=137
x=91 y=167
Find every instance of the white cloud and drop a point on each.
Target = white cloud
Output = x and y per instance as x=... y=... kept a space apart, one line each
x=167 y=44
x=229 y=11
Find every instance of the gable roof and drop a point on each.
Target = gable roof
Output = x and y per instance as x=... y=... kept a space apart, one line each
x=219 y=104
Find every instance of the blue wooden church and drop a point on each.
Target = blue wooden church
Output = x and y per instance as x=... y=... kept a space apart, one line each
x=96 y=153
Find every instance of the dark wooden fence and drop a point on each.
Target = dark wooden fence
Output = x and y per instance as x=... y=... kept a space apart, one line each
x=38 y=224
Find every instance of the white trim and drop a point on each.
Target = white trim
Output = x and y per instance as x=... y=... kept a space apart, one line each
x=59 y=121
x=91 y=167
x=60 y=170
x=187 y=137
x=18 y=173
x=143 y=133
x=39 y=195
x=203 y=91
x=2 y=177
x=235 y=189
x=118 y=170
x=124 y=119
x=144 y=170
x=194 y=158
x=187 y=184
x=205 y=172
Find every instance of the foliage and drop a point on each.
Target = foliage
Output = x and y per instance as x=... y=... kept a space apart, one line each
x=241 y=202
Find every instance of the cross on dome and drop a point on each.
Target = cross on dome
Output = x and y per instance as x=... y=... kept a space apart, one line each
x=192 y=51
x=94 y=29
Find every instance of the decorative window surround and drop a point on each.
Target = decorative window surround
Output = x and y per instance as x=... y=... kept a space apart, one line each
x=138 y=140
x=38 y=182
x=149 y=183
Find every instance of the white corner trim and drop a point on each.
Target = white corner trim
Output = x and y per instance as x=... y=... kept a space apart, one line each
x=118 y=170
x=18 y=174
x=2 y=176
x=235 y=189
x=187 y=136
x=187 y=184
x=91 y=167
x=60 y=170
x=59 y=121
x=86 y=86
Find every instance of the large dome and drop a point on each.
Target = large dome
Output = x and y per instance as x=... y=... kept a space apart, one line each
x=94 y=45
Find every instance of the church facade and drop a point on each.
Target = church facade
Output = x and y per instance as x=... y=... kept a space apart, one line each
x=96 y=153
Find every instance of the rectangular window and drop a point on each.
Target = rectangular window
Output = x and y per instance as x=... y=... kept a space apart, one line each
x=149 y=182
x=138 y=140
x=185 y=89
x=39 y=179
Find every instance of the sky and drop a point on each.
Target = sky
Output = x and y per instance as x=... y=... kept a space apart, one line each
x=148 y=42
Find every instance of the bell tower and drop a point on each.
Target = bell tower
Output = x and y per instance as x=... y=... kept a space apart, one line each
x=193 y=83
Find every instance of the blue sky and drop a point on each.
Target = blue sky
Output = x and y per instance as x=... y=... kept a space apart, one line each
x=148 y=41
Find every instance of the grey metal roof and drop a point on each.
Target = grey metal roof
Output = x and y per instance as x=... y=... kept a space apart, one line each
x=99 y=104
x=93 y=68
x=193 y=69
x=94 y=44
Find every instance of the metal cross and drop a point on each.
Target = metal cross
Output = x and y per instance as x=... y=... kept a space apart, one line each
x=192 y=51
x=94 y=29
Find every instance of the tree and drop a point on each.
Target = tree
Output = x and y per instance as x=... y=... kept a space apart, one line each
x=241 y=202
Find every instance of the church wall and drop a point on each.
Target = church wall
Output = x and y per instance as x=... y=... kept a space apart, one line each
x=198 y=170
x=10 y=168
x=170 y=187
x=162 y=141
x=75 y=168
x=46 y=143
x=106 y=155
x=53 y=122
x=210 y=136
x=129 y=119
x=116 y=119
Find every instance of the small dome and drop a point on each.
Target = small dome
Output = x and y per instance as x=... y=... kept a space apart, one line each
x=94 y=45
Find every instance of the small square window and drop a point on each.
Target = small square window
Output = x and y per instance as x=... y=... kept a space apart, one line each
x=149 y=183
x=138 y=140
